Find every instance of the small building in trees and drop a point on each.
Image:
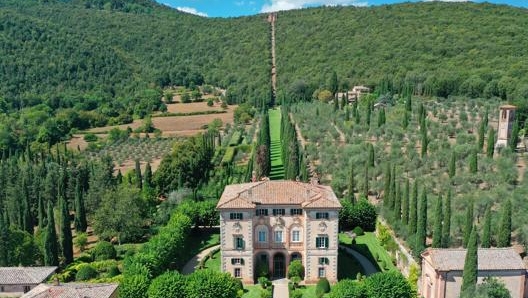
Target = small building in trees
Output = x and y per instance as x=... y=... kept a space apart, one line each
x=442 y=271
x=267 y=224
x=15 y=281
x=67 y=290
x=354 y=94
x=506 y=121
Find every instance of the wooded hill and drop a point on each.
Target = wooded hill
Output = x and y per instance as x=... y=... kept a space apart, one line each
x=76 y=64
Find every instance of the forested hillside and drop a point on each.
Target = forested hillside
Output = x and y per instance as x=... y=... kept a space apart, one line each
x=68 y=66
x=78 y=64
x=435 y=48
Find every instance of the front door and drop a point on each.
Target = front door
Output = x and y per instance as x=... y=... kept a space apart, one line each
x=279 y=266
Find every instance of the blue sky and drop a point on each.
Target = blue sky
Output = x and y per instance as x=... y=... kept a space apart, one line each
x=233 y=8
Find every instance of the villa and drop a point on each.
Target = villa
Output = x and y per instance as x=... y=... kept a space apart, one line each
x=267 y=224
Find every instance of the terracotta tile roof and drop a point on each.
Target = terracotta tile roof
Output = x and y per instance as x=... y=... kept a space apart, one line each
x=277 y=192
x=24 y=275
x=72 y=290
x=488 y=259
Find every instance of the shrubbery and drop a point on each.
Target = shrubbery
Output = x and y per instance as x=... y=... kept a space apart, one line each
x=322 y=287
x=296 y=269
x=86 y=272
x=103 y=251
x=169 y=284
x=362 y=214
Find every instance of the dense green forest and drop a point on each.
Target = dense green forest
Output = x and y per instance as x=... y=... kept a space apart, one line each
x=76 y=64
x=434 y=48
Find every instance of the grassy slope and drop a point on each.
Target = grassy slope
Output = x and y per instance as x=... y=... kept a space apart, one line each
x=370 y=247
x=277 y=168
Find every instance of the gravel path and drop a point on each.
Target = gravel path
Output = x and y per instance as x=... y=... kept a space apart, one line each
x=280 y=288
x=191 y=265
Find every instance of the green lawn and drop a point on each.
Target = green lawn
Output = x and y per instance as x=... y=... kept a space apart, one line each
x=252 y=291
x=202 y=239
x=277 y=168
x=214 y=262
x=308 y=291
x=369 y=246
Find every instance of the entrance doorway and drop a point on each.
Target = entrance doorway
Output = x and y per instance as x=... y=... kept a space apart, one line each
x=279 y=266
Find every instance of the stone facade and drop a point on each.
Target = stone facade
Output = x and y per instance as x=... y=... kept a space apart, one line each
x=506 y=121
x=442 y=271
x=270 y=223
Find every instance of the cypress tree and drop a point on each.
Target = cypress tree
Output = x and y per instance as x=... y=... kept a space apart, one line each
x=514 y=137
x=469 y=224
x=408 y=103
x=425 y=139
x=481 y=132
x=485 y=117
x=421 y=229
x=452 y=165
x=66 y=234
x=80 y=211
x=371 y=155
x=486 y=229
x=381 y=117
x=336 y=103
x=413 y=209
x=446 y=227
x=51 y=251
x=366 y=181
x=369 y=112
x=505 y=226
x=405 y=203
x=405 y=121
x=393 y=187
x=397 y=202
x=351 y=185
x=387 y=186
x=333 y=83
x=473 y=162
x=437 y=230
x=139 y=179
x=148 y=176
x=469 y=275
x=347 y=113
x=491 y=143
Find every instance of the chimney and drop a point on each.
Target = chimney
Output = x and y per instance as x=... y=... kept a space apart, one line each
x=56 y=281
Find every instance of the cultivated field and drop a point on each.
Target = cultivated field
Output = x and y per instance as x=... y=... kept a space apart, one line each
x=173 y=126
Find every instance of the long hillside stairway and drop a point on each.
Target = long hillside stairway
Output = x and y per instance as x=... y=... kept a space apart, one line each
x=277 y=167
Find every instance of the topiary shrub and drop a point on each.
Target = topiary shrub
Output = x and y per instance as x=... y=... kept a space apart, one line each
x=358 y=231
x=113 y=271
x=86 y=272
x=322 y=287
x=103 y=251
x=264 y=282
x=296 y=269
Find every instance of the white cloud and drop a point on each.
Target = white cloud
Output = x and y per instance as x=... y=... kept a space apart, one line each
x=191 y=10
x=277 y=5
